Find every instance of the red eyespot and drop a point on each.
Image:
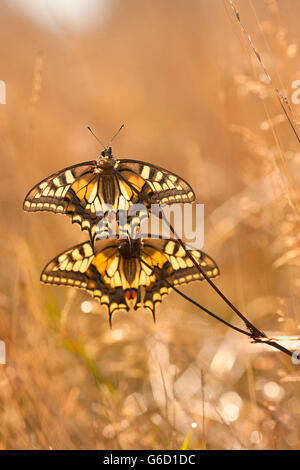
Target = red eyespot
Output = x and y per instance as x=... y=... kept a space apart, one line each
x=130 y=295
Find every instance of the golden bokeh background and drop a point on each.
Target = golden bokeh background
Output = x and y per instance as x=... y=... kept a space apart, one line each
x=195 y=100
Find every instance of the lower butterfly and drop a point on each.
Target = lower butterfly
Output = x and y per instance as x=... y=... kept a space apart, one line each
x=127 y=273
x=89 y=191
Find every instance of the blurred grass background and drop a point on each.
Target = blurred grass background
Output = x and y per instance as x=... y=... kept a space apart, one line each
x=195 y=100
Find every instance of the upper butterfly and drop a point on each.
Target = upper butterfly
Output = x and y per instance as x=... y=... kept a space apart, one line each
x=87 y=191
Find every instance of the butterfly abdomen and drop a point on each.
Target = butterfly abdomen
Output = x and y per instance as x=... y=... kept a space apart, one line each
x=109 y=189
x=130 y=269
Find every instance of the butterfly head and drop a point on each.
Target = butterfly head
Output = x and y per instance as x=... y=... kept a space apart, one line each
x=106 y=161
x=107 y=152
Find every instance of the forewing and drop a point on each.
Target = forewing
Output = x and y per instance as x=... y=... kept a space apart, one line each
x=181 y=268
x=71 y=268
x=184 y=271
x=50 y=193
x=161 y=186
x=79 y=267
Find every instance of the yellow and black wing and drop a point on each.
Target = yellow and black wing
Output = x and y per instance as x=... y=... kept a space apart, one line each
x=91 y=195
x=170 y=262
x=86 y=193
x=120 y=282
x=165 y=187
x=115 y=281
x=50 y=193
x=98 y=275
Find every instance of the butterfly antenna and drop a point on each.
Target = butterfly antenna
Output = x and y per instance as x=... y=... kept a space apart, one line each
x=115 y=135
x=98 y=140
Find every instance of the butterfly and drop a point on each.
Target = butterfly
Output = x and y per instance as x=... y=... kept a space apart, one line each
x=88 y=191
x=127 y=273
